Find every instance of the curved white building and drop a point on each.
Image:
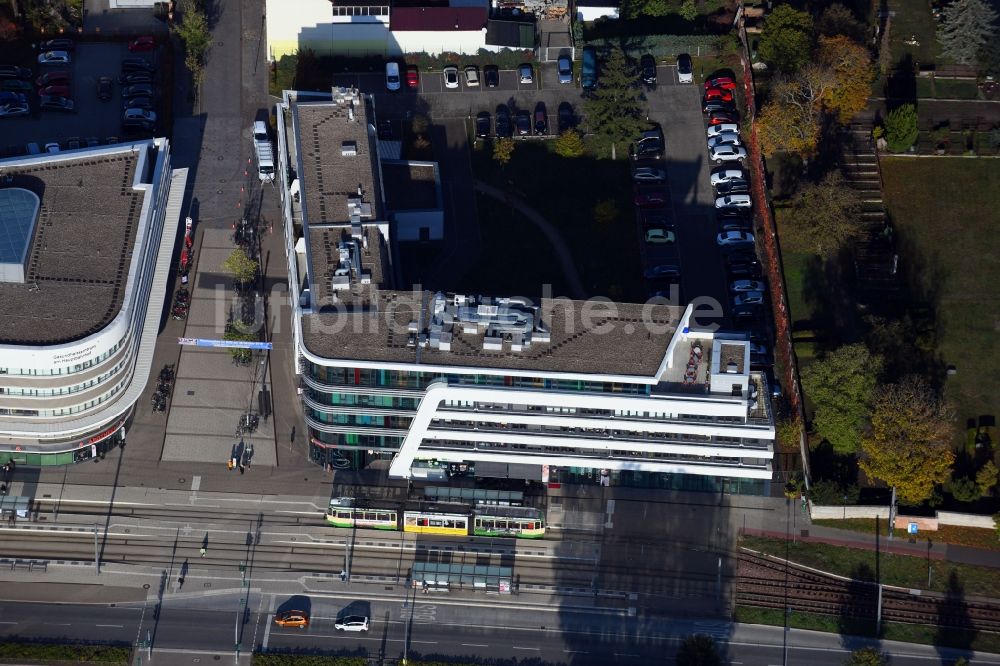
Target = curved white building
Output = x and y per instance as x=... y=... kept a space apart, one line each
x=86 y=238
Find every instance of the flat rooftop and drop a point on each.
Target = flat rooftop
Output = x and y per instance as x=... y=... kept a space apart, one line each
x=78 y=262
x=565 y=336
x=410 y=186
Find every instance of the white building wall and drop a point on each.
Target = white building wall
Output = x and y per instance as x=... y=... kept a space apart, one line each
x=312 y=25
x=435 y=42
x=594 y=13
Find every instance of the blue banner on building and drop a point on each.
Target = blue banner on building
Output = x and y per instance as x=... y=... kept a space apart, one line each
x=228 y=344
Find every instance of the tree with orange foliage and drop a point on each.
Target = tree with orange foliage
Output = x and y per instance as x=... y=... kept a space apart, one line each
x=853 y=74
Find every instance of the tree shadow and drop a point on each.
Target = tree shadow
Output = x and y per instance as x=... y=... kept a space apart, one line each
x=857 y=614
x=955 y=628
x=833 y=466
x=901 y=84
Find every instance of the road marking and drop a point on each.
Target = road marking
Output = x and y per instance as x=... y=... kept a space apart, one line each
x=474 y=645
x=59 y=624
x=195 y=483
x=576 y=652
x=7 y=622
x=116 y=626
x=625 y=654
x=267 y=632
x=518 y=647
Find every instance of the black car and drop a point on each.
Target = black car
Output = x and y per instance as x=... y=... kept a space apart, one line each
x=138 y=103
x=52 y=103
x=715 y=105
x=104 y=88
x=138 y=90
x=133 y=78
x=734 y=186
x=14 y=72
x=567 y=119
x=504 y=129
x=647 y=65
x=491 y=74
x=137 y=65
x=523 y=123
x=656 y=219
x=541 y=119
x=742 y=269
x=483 y=125
x=666 y=287
x=385 y=130
x=735 y=224
x=60 y=44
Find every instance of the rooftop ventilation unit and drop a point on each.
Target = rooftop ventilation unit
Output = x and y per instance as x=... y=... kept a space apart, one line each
x=349 y=149
x=732 y=368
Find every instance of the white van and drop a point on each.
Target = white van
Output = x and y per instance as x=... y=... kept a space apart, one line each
x=265 y=154
x=392 y=76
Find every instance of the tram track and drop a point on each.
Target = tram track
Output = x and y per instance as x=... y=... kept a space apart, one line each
x=772 y=584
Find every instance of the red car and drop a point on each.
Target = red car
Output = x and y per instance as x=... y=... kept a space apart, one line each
x=144 y=43
x=719 y=94
x=53 y=79
x=721 y=117
x=650 y=199
x=412 y=77
x=723 y=82
x=55 y=91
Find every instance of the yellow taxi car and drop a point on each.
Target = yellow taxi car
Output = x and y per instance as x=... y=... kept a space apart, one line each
x=292 y=618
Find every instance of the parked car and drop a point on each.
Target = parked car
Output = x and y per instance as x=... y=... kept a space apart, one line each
x=54 y=58
x=504 y=127
x=138 y=90
x=541 y=120
x=137 y=125
x=139 y=114
x=104 y=88
x=647 y=69
x=525 y=73
x=654 y=198
x=649 y=175
x=54 y=91
x=52 y=147
x=663 y=271
x=73 y=143
x=58 y=44
x=12 y=98
x=723 y=138
x=747 y=285
x=16 y=85
x=392 y=82
x=718 y=94
x=721 y=82
x=412 y=77
x=351 y=623
x=714 y=105
x=727 y=116
x=133 y=78
x=14 y=72
x=655 y=218
x=138 y=103
x=722 y=128
x=137 y=65
x=91 y=142
x=49 y=103
x=734 y=201
x=491 y=74
x=523 y=122
x=565 y=68
x=566 y=118
x=53 y=79
x=749 y=298
x=588 y=68
x=450 y=74
x=744 y=269
x=685 y=70
x=483 y=125
x=734 y=238
x=665 y=287
x=660 y=236
x=142 y=44
x=12 y=110
x=746 y=255
x=471 y=76
x=727 y=152
x=292 y=618
x=384 y=131
x=724 y=174
x=735 y=186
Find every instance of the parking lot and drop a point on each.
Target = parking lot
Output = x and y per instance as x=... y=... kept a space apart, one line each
x=91 y=119
x=690 y=204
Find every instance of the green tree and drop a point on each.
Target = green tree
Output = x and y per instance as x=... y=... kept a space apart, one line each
x=986 y=478
x=689 y=10
x=824 y=217
x=236 y=333
x=698 y=650
x=192 y=28
x=966 y=27
x=788 y=433
x=840 y=386
x=786 y=39
x=569 y=144
x=909 y=445
x=606 y=212
x=839 y=20
x=866 y=657
x=963 y=489
x=901 y=128
x=503 y=150
x=241 y=266
x=615 y=111
x=636 y=8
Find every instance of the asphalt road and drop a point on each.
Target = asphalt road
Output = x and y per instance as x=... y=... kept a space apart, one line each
x=439 y=628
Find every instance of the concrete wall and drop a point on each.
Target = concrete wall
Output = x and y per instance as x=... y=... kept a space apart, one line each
x=965 y=519
x=409 y=222
x=131 y=4
x=435 y=42
x=818 y=512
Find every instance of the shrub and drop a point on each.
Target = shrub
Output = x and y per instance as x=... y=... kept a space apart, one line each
x=901 y=128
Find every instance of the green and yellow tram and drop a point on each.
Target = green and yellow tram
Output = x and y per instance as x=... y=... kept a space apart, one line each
x=445 y=519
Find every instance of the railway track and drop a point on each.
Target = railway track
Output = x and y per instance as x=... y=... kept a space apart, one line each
x=769 y=584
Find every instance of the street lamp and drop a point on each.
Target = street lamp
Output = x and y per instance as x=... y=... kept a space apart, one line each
x=845 y=506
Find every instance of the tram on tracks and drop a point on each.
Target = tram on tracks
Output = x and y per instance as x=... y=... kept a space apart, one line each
x=446 y=519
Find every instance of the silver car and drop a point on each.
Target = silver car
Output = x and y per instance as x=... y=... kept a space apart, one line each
x=724 y=138
x=734 y=201
x=727 y=152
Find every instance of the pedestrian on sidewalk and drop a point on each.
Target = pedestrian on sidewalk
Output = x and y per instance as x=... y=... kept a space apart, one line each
x=203 y=551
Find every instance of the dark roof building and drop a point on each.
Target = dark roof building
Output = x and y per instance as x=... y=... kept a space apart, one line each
x=438 y=19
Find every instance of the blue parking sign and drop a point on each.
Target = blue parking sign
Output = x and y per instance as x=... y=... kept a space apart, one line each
x=911 y=528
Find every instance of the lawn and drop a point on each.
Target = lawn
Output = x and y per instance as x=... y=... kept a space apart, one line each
x=565 y=191
x=949 y=241
x=955 y=89
x=506 y=234
x=899 y=570
x=962 y=536
x=893 y=631
x=913 y=20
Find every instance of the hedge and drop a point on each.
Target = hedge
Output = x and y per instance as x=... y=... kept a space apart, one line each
x=73 y=653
